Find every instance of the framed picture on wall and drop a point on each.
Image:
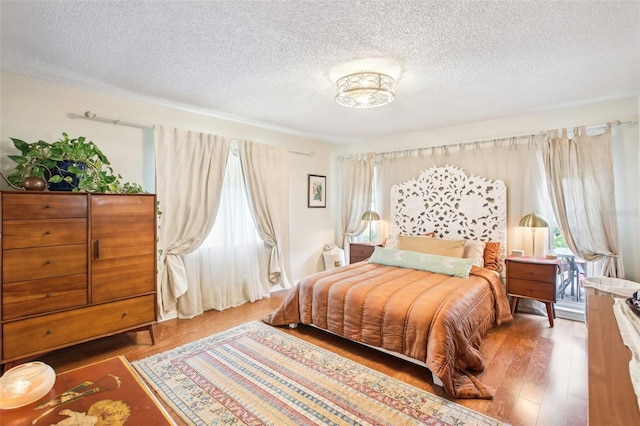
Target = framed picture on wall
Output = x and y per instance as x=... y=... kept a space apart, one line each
x=316 y=191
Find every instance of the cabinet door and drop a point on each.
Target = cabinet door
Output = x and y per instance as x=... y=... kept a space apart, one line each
x=123 y=246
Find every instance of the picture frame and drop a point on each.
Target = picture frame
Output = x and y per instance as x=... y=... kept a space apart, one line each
x=316 y=191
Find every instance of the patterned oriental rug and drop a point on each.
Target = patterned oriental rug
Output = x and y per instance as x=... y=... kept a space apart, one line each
x=255 y=374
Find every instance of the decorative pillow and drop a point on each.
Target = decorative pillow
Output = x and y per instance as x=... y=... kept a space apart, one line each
x=492 y=255
x=392 y=240
x=454 y=266
x=437 y=246
x=474 y=250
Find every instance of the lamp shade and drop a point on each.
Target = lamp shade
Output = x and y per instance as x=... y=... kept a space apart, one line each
x=533 y=220
x=370 y=216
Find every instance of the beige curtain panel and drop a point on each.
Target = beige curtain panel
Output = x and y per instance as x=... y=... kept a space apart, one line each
x=190 y=168
x=266 y=171
x=581 y=187
x=357 y=179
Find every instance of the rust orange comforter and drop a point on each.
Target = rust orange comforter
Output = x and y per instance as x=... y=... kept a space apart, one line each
x=437 y=319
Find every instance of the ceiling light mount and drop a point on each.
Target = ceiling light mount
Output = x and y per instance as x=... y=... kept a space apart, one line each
x=365 y=90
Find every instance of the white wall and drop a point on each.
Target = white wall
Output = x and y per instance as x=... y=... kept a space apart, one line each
x=33 y=109
x=626 y=154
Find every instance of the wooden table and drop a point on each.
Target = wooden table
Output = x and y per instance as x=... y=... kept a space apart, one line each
x=106 y=389
x=612 y=400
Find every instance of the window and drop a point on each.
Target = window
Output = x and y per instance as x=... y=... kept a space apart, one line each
x=371 y=232
x=226 y=266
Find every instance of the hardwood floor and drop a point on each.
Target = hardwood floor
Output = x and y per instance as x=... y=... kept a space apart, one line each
x=538 y=374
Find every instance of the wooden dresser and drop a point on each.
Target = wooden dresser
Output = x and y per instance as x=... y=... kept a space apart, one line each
x=75 y=267
x=612 y=400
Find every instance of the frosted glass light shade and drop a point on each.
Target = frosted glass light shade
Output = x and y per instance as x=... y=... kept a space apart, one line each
x=365 y=90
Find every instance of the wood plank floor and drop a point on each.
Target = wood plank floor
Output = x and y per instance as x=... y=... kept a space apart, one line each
x=538 y=374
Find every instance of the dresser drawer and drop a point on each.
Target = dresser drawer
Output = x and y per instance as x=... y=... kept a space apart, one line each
x=534 y=272
x=543 y=291
x=43 y=296
x=43 y=206
x=43 y=232
x=43 y=262
x=36 y=335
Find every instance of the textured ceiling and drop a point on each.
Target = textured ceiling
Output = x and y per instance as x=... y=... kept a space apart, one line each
x=274 y=63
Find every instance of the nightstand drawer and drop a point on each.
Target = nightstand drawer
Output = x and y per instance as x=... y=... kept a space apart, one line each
x=543 y=291
x=360 y=252
x=527 y=271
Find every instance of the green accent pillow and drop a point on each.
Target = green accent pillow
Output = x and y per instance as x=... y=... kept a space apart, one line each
x=454 y=266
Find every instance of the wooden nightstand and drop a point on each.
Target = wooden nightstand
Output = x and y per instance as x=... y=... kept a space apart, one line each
x=532 y=278
x=360 y=251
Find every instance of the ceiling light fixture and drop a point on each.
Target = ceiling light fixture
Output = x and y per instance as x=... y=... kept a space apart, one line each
x=365 y=90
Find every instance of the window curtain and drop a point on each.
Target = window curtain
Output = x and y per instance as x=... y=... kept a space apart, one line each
x=224 y=271
x=357 y=179
x=190 y=169
x=266 y=172
x=581 y=187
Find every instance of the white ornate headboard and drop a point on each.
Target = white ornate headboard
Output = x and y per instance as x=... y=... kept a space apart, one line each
x=446 y=201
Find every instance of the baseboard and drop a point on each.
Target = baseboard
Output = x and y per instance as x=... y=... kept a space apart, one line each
x=569 y=313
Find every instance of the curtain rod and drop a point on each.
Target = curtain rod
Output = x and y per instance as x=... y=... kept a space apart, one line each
x=91 y=116
x=115 y=122
x=462 y=145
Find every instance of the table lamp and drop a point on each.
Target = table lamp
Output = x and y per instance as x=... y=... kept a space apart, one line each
x=370 y=216
x=533 y=221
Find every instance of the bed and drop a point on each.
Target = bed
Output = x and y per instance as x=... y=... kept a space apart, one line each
x=432 y=307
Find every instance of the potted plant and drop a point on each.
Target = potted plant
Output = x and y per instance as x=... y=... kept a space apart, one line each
x=32 y=165
x=68 y=165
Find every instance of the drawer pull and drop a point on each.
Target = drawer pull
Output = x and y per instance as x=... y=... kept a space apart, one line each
x=48 y=295
x=47 y=206
x=124 y=314
x=48 y=262
x=47 y=232
x=97 y=249
x=49 y=332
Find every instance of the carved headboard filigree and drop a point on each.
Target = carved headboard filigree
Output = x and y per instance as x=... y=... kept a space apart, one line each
x=446 y=201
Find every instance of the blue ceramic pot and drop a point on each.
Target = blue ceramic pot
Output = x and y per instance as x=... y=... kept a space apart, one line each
x=62 y=170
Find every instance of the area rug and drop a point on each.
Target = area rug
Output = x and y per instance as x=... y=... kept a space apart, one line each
x=255 y=374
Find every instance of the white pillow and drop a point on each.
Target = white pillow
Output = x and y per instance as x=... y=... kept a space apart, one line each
x=474 y=250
